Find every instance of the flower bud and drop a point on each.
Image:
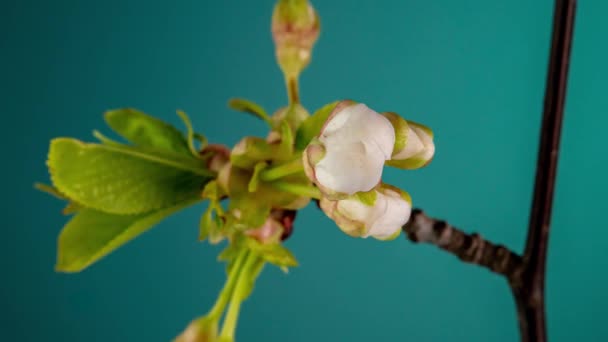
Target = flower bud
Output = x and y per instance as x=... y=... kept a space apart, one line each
x=350 y=152
x=270 y=232
x=295 y=29
x=379 y=213
x=414 y=146
x=200 y=330
x=216 y=156
x=294 y=115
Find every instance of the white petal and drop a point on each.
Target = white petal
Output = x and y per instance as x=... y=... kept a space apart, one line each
x=390 y=216
x=350 y=168
x=357 y=141
x=429 y=145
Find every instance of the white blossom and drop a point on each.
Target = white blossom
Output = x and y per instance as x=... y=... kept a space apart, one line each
x=349 y=154
x=379 y=214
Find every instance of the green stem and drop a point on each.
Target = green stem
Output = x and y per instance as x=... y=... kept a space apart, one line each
x=222 y=300
x=277 y=172
x=237 y=298
x=302 y=190
x=292 y=89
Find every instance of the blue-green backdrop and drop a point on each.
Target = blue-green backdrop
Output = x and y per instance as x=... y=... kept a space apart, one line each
x=472 y=69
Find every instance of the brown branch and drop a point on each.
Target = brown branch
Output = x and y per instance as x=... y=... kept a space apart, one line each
x=526 y=274
x=529 y=292
x=470 y=248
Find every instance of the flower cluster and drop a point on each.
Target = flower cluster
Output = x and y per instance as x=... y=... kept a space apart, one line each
x=345 y=161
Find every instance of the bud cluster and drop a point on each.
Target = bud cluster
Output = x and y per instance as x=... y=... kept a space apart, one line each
x=345 y=161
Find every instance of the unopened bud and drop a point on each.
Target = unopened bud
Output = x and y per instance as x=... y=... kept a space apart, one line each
x=295 y=114
x=270 y=232
x=200 y=330
x=349 y=154
x=295 y=29
x=216 y=156
x=414 y=146
x=379 y=213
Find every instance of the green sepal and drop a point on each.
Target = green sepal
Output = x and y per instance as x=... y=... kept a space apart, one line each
x=255 y=178
x=90 y=234
x=311 y=127
x=401 y=129
x=246 y=106
x=368 y=198
x=146 y=131
x=274 y=253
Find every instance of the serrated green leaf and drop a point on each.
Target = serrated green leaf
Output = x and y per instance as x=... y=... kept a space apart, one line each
x=146 y=131
x=246 y=106
x=311 y=127
x=122 y=180
x=90 y=235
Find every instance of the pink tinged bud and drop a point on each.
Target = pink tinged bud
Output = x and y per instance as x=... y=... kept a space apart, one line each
x=270 y=232
x=216 y=156
x=295 y=29
x=381 y=217
x=356 y=142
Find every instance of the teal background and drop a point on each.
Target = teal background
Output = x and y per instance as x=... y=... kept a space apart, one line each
x=473 y=70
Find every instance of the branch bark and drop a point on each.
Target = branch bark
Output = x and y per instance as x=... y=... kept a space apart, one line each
x=470 y=248
x=526 y=274
x=529 y=292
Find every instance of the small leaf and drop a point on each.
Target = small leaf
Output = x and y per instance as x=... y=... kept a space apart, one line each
x=211 y=226
x=191 y=135
x=311 y=127
x=90 y=235
x=252 y=108
x=123 y=180
x=146 y=131
x=274 y=253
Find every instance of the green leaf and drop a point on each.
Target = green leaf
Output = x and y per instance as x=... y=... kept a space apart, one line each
x=311 y=127
x=123 y=180
x=90 y=235
x=274 y=253
x=250 y=107
x=146 y=131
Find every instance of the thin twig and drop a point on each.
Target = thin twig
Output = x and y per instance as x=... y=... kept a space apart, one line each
x=529 y=292
x=471 y=248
